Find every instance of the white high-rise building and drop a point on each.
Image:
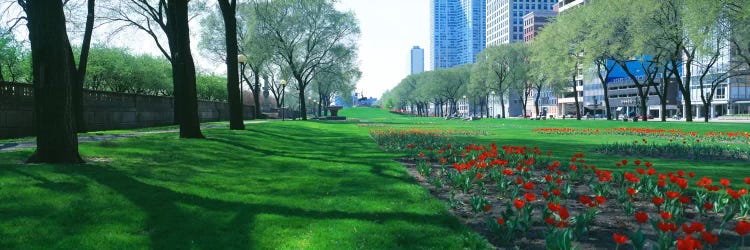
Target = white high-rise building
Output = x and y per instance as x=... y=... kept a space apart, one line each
x=417 y=60
x=505 y=18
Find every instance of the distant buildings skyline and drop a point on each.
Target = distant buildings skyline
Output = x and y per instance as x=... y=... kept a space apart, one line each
x=505 y=18
x=417 y=60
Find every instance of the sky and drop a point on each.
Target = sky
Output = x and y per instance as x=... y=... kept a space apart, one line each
x=389 y=29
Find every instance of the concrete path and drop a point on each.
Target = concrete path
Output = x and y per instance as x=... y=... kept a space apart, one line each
x=13 y=146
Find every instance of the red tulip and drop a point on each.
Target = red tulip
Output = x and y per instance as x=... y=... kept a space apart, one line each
x=479 y=176
x=666 y=215
x=672 y=195
x=708 y=206
x=487 y=208
x=709 y=238
x=641 y=217
x=528 y=185
x=631 y=191
x=518 y=203
x=743 y=227
x=584 y=199
x=688 y=243
x=724 y=182
x=563 y=213
x=553 y=206
x=667 y=226
x=620 y=239
x=747 y=180
x=556 y=192
x=600 y=199
x=658 y=201
x=529 y=197
x=684 y=199
x=500 y=221
x=550 y=220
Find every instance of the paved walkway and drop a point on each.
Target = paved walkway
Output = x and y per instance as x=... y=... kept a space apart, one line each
x=13 y=146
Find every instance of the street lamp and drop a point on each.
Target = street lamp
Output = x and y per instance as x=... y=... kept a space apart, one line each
x=242 y=59
x=466 y=102
x=493 y=103
x=283 y=85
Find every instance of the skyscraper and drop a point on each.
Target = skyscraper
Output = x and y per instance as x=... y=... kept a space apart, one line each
x=457 y=31
x=417 y=60
x=505 y=18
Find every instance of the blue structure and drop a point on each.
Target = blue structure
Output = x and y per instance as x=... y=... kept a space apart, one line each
x=457 y=31
x=623 y=93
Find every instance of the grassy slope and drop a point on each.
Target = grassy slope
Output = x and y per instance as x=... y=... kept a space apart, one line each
x=280 y=185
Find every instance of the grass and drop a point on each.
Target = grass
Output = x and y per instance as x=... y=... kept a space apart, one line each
x=279 y=185
x=276 y=185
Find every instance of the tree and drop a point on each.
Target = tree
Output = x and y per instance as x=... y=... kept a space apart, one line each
x=303 y=33
x=450 y=84
x=55 y=122
x=710 y=29
x=229 y=12
x=339 y=77
x=79 y=72
x=500 y=64
x=604 y=41
x=171 y=17
x=11 y=57
x=558 y=50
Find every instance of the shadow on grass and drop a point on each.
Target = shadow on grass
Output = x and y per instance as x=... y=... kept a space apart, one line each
x=208 y=194
x=171 y=226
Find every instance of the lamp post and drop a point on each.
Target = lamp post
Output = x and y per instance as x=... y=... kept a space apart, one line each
x=242 y=59
x=466 y=102
x=493 y=103
x=283 y=91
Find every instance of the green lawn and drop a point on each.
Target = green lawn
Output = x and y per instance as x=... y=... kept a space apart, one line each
x=276 y=185
x=287 y=185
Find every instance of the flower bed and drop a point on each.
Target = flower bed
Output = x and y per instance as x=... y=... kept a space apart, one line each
x=675 y=134
x=672 y=149
x=518 y=197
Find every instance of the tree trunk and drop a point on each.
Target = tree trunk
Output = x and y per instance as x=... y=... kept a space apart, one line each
x=256 y=92
x=502 y=105
x=79 y=75
x=183 y=69
x=56 y=141
x=607 y=108
x=228 y=11
x=302 y=104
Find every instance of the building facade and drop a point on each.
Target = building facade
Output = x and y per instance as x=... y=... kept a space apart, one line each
x=534 y=21
x=457 y=32
x=505 y=18
x=731 y=96
x=417 y=60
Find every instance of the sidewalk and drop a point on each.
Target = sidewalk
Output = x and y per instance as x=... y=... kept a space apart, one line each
x=13 y=146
